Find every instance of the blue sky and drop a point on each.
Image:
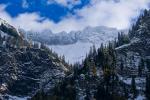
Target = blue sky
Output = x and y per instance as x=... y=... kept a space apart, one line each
x=67 y=15
x=54 y=11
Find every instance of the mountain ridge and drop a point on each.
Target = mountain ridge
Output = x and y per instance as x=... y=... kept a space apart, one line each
x=73 y=43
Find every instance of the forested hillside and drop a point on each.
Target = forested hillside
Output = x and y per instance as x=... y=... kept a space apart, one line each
x=117 y=71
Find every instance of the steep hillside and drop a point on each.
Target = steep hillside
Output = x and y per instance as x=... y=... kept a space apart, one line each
x=26 y=68
x=133 y=53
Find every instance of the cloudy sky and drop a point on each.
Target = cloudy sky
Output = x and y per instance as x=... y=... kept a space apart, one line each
x=67 y=15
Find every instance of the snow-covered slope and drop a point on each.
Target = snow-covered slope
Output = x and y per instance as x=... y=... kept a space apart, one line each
x=76 y=52
x=73 y=52
x=76 y=44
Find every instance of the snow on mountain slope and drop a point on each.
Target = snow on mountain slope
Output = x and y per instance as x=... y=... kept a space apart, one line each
x=75 y=44
x=76 y=52
x=73 y=52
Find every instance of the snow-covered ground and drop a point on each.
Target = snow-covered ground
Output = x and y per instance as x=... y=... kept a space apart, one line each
x=17 y=98
x=138 y=80
x=10 y=97
x=73 y=52
x=140 y=97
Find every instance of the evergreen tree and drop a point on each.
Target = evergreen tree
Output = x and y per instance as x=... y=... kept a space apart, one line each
x=100 y=56
x=125 y=91
x=121 y=66
x=140 y=67
x=1 y=39
x=36 y=45
x=147 y=92
x=122 y=39
x=42 y=46
x=133 y=87
x=63 y=58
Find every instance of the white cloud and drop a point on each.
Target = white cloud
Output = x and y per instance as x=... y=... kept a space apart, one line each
x=112 y=14
x=67 y=3
x=97 y=13
x=25 y=4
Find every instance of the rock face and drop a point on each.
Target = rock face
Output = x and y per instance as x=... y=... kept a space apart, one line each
x=23 y=71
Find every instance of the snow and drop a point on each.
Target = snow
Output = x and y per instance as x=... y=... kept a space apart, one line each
x=73 y=52
x=17 y=98
x=2 y=21
x=123 y=46
x=3 y=87
x=60 y=64
x=86 y=38
x=140 y=97
x=138 y=80
x=134 y=40
x=75 y=44
x=10 y=97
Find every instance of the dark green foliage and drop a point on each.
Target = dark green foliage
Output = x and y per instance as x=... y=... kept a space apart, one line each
x=122 y=39
x=36 y=45
x=1 y=40
x=63 y=91
x=121 y=66
x=133 y=87
x=147 y=92
x=141 y=67
x=66 y=91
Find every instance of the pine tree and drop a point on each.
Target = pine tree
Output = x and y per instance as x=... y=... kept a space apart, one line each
x=1 y=39
x=121 y=66
x=93 y=67
x=100 y=56
x=140 y=67
x=122 y=39
x=63 y=58
x=133 y=87
x=125 y=91
x=43 y=46
x=147 y=92
x=36 y=45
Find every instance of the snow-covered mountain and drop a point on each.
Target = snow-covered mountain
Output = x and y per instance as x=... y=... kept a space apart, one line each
x=76 y=44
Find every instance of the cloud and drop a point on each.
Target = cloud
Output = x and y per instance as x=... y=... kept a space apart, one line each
x=111 y=13
x=25 y=4
x=66 y=3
